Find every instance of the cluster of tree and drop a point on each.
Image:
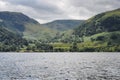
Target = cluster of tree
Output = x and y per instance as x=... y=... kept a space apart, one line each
x=66 y=39
x=37 y=46
x=11 y=42
x=101 y=49
x=46 y=47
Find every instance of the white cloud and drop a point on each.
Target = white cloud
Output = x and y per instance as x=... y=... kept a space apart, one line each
x=48 y=10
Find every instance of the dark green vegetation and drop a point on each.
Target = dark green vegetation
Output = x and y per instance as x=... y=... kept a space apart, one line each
x=10 y=41
x=100 y=33
x=102 y=30
x=104 y=22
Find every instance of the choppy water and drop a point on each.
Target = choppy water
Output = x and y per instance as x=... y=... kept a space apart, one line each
x=60 y=66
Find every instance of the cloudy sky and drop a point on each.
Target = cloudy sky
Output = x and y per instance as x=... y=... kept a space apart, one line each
x=49 y=10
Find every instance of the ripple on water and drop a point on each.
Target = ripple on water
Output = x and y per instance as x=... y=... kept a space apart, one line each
x=82 y=66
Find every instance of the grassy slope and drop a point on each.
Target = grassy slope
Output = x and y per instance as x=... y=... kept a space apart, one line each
x=105 y=34
x=106 y=15
x=63 y=25
x=36 y=31
x=21 y=24
x=104 y=22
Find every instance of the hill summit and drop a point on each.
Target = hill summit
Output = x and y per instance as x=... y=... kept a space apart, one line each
x=104 y=22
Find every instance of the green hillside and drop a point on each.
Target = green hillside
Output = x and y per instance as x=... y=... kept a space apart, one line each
x=63 y=25
x=22 y=24
x=10 y=41
x=36 y=31
x=104 y=22
x=100 y=33
x=15 y=21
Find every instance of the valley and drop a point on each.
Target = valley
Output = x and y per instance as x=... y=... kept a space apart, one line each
x=20 y=33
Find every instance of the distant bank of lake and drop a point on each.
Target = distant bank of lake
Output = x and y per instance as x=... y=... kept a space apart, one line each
x=59 y=66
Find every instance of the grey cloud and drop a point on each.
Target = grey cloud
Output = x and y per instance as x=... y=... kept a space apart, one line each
x=96 y=6
x=41 y=5
x=47 y=10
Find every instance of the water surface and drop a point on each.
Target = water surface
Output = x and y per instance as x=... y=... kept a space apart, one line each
x=59 y=66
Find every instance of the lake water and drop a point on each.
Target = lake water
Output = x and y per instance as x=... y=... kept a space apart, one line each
x=59 y=66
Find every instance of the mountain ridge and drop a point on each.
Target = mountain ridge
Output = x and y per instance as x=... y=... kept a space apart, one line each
x=24 y=25
x=107 y=21
x=99 y=33
x=63 y=25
